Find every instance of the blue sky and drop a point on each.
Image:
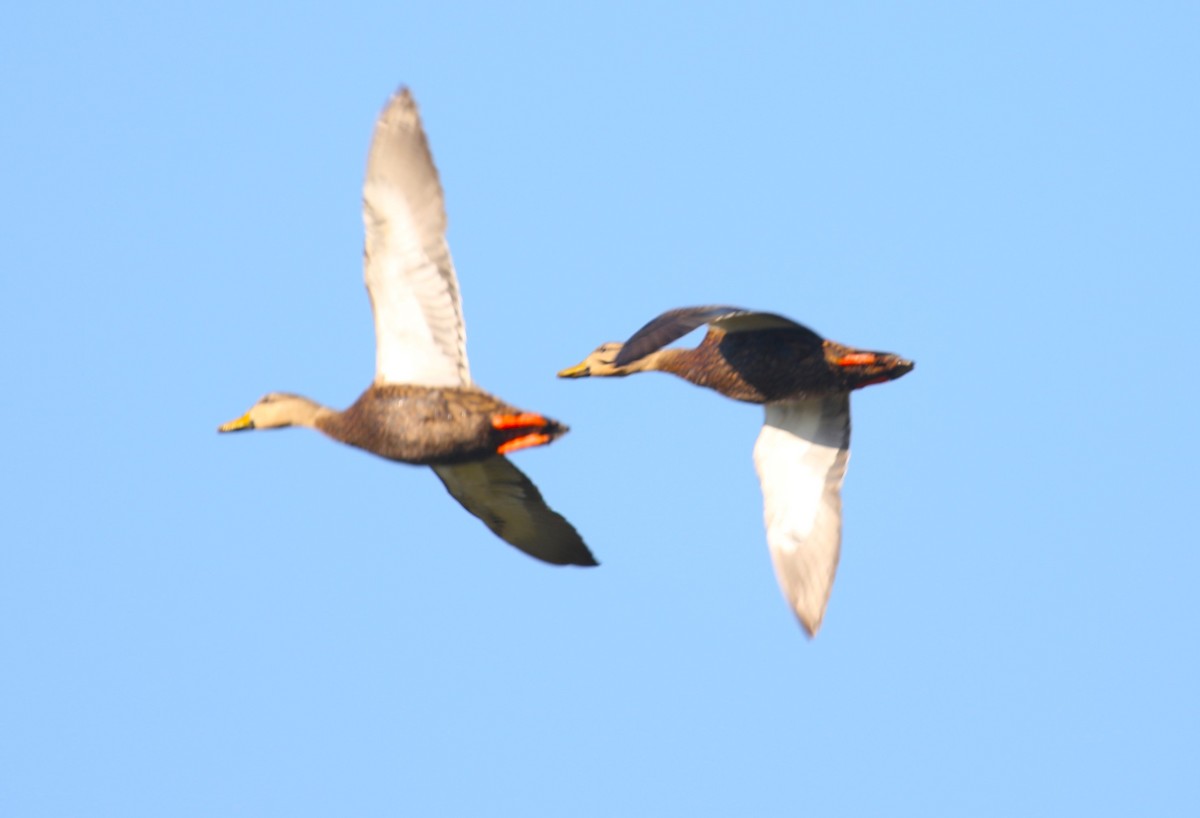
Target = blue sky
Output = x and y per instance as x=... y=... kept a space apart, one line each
x=271 y=624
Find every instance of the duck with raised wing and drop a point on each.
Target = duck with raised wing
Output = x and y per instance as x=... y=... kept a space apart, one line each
x=422 y=407
x=801 y=453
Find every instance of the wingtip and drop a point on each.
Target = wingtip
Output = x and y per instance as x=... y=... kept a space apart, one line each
x=808 y=623
x=580 y=556
x=576 y=554
x=401 y=107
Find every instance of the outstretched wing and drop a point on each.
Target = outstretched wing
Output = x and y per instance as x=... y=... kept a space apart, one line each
x=674 y=324
x=801 y=457
x=508 y=502
x=419 y=332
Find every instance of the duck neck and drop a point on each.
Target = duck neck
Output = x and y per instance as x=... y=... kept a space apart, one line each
x=312 y=415
x=675 y=361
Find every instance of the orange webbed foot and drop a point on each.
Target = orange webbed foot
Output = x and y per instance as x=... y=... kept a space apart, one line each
x=857 y=359
x=523 y=442
x=517 y=421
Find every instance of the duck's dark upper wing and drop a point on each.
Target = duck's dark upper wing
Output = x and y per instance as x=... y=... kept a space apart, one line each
x=508 y=502
x=674 y=324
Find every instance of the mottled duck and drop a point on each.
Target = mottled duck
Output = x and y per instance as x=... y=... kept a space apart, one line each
x=422 y=407
x=805 y=382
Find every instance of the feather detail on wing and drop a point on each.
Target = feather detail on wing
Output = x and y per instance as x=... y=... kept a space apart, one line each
x=801 y=458
x=419 y=332
x=674 y=324
x=508 y=502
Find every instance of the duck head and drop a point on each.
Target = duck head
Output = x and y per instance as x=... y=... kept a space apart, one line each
x=600 y=363
x=274 y=411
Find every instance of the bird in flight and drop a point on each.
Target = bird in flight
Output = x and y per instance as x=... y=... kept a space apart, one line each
x=422 y=407
x=805 y=383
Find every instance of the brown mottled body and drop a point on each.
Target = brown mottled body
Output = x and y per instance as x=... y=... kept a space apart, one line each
x=745 y=366
x=427 y=425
